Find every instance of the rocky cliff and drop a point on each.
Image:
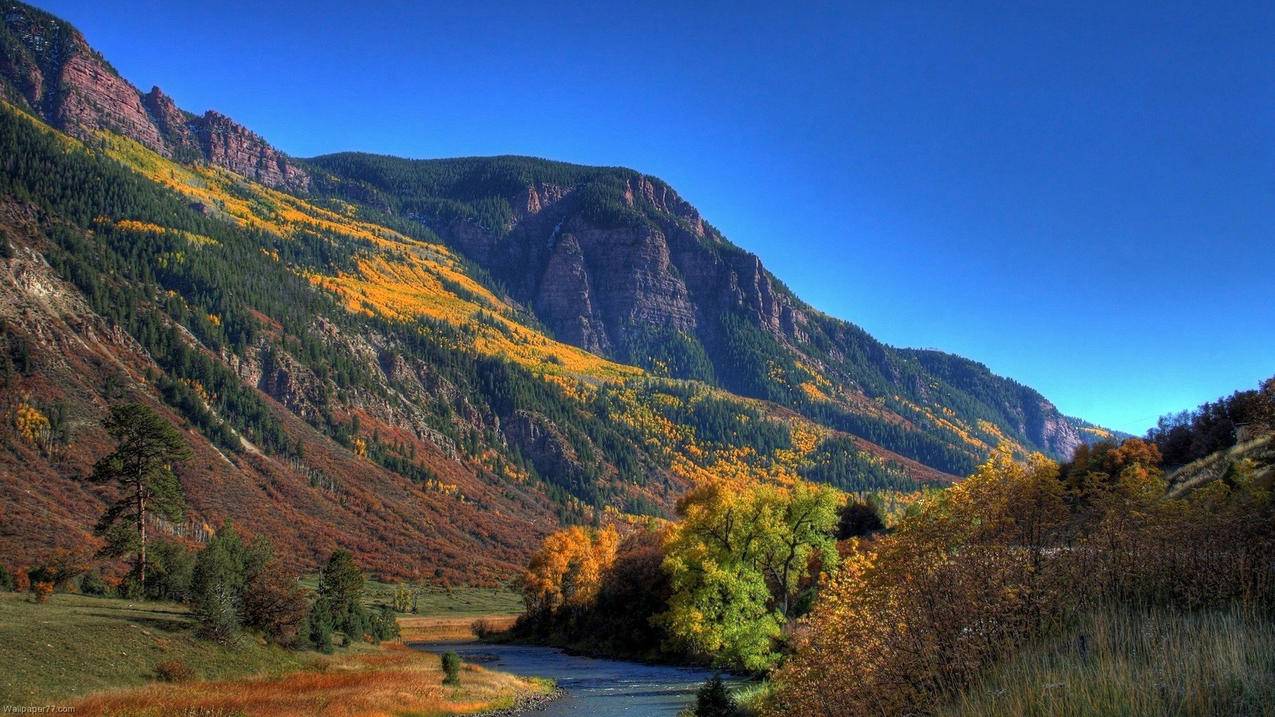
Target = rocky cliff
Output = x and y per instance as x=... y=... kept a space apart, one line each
x=48 y=69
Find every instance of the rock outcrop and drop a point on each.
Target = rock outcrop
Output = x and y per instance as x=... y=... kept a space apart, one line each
x=48 y=68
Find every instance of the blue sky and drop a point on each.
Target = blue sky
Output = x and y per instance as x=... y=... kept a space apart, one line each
x=1080 y=195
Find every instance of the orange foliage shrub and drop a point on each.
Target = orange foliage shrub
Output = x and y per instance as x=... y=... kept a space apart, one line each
x=174 y=671
x=1011 y=554
x=42 y=591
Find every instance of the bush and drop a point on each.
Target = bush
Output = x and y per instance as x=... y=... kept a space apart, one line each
x=60 y=569
x=21 y=581
x=91 y=583
x=274 y=604
x=713 y=700
x=451 y=668
x=858 y=519
x=219 y=580
x=174 y=671
x=218 y=616
x=42 y=590
x=170 y=568
x=482 y=628
x=129 y=588
x=383 y=624
x=318 y=627
x=6 y=580
x=1008 y=556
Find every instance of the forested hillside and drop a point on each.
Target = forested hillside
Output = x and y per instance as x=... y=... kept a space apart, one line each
x=389 y=356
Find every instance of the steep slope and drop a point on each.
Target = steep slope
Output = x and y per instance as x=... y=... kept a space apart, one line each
x=343 y=383
x=47 y=68
x=618 y=263
x=430 y=363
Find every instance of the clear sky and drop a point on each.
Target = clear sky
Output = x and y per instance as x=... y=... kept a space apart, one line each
x=1080 y=195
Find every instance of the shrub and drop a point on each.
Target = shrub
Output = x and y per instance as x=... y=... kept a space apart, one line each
x=1009 y=555
x=21 y=580
x=42 y=590
x=482 y=628
x=6 y=580
x=274 y=604
x=174 y=671
x=402 y=598
x=169 y=570
x=218 y=616
x=451 y=668
x=91 y=583
x=713 y=700
x=383 y=624
x=60 y=569
x=857 y=519
x=318 y=627
x=219 y=580
x=129 y=588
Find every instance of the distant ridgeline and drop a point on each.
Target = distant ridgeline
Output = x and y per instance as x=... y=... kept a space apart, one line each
x=432 y=363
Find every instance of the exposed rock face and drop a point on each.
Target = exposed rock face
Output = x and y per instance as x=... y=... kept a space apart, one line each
x=549 y=451
x=48 y=67
x=228 y=144
x=92 y=97
x=287 y=381
x=174 y=125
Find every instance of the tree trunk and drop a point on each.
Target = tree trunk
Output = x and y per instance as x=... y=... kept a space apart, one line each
x=141 y=531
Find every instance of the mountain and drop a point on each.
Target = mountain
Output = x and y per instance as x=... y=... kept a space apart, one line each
x=46 y=66
x=619 y=264
x=432 y=363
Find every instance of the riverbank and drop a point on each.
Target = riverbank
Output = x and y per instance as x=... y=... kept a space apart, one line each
x=109 y=656
x=392 y=680
x=590 y=687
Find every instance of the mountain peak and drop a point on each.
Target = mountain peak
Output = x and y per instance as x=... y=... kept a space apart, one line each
x=48 y=68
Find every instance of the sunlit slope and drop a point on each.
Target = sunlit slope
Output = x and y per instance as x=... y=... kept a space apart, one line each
x=385 y=272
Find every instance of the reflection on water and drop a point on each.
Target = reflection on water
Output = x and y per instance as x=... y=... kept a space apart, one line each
x=593 y=687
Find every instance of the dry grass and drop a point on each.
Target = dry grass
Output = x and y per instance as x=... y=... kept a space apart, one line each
x=393 y=681
x=449 y=629
x=1137 y=664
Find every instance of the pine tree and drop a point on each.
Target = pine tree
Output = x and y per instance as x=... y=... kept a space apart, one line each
x=142 y=464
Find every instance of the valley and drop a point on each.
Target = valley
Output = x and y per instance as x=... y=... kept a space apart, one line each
x=357 y=434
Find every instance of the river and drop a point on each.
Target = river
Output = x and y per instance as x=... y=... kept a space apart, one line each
x=591 y=687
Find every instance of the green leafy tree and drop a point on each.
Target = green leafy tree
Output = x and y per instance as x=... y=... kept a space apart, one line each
x=738 y=561
x=142 y=465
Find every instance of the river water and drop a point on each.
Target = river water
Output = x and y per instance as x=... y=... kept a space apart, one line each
x=591 y=687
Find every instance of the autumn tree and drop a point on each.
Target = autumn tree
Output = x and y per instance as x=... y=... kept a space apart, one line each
x=142 y=466
x=568 y=568
x=737 y=561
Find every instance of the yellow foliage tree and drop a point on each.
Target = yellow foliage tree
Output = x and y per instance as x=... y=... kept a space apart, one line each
x=32 y=425
x=568 y=568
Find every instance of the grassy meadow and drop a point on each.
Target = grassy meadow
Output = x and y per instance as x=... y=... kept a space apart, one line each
x=103 y=656
x=1136 y=663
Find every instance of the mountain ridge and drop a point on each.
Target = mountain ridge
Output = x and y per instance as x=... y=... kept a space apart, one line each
x=371 y=368
x=602 y=270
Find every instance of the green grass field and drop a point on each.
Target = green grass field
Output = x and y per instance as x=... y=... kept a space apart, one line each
x=76 y=644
